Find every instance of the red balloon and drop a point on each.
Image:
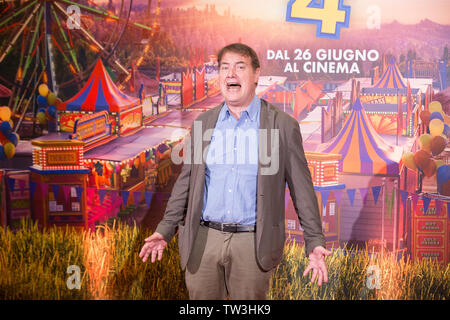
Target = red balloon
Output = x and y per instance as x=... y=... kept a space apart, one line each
x=425 y=116
x=437 y=145
x=430 y=168
x=421 y=158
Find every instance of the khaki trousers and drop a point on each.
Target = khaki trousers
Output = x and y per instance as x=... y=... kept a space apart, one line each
x=223 y=264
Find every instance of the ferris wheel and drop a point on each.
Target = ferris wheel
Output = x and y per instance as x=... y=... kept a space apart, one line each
x=59 y=41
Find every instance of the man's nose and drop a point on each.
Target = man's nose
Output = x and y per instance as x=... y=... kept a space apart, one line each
x=231 y=72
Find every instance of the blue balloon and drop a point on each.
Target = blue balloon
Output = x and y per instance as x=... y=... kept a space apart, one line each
x=13 y=138
x=446 y=130
x=2 y=153
x=443 y=174
x=436 y=115
x=52 y=111
x=42 y=101
x=5 y=128
x=41 y=110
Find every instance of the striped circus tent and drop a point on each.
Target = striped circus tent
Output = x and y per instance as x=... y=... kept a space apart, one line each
x=98 y=94
x=363 y=150
x=392 y=78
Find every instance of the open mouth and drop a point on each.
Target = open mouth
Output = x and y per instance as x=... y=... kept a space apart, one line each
x=233 y=85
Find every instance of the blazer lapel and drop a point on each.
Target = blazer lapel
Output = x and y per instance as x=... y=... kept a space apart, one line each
x=265 y=125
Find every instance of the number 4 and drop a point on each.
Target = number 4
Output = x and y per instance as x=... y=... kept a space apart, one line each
x=329 y=15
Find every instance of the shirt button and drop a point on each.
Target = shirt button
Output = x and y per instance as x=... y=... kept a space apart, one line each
x=228 y=211
x=232 y=169
x=229 y=190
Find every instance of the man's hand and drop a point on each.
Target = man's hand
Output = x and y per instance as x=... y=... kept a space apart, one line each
x=317 y=264
x=154 y=245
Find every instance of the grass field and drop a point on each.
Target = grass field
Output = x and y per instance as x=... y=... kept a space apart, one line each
x=33 y=265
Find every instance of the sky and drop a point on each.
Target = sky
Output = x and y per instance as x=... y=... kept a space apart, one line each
x=412 y=11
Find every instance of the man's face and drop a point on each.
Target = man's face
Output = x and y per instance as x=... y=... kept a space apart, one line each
x=237 y=79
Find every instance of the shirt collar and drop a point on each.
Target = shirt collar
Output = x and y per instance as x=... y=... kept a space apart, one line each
x=251 y=110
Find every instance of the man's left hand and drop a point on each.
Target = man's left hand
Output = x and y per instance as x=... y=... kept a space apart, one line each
x=317 y=264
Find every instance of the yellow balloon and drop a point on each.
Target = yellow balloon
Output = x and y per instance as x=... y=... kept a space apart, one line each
x=436 y=127
x=9 y=150
x=408 y=160
x=5 y=114
x=51 y=98
x=41 y=118
x=435 y=106
x=425 y=142
x=43 y=90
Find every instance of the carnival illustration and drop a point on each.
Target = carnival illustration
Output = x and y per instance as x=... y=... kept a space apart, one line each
x=97 y=96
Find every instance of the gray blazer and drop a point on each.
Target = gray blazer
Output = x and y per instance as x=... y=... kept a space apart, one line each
x=184 y=207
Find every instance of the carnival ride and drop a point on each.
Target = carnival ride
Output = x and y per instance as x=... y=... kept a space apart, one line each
x=38 y=37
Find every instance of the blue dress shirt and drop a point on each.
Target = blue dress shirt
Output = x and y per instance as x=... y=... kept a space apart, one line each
x=232 y=167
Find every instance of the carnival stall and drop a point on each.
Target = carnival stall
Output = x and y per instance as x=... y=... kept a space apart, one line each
x=101 y=94
x=102 y=160
x=368 y=164
x=325 y=175
x=391 y=100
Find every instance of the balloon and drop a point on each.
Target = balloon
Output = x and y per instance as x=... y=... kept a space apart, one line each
x=43 y=90
x=5 y=128
x=5 y=114
x=443 y=174
x=425 y=116
x=58 y=102
x=435 y=106
x=424 y=142
x=41 y=117
x=421 y=158
x=9 y=150
x=430 y=168
x=51 y=99
x=14 y=138
x=136 y=162
x=52 y=111
x=437 y=145
x=446 y=130
x=3 y=139
x=437 y=115
x=444 y=189
x=42 y=101
x=2 y=153
x=436 y=127
x=408 y=160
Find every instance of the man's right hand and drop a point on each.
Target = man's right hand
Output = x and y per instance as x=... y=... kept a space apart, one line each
x=154 y=245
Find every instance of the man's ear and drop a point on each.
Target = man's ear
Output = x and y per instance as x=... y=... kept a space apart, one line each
x=257 y=74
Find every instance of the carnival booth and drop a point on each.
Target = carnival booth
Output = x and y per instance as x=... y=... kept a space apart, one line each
x=391 y=95
x=101 y=94
x=325 y=175
x=103 y=160
x=371 y=166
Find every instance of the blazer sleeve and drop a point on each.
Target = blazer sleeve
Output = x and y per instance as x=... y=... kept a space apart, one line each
x=177 y=204
x=301 y=188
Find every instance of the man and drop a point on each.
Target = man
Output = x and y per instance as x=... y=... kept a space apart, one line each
x=228 y=209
